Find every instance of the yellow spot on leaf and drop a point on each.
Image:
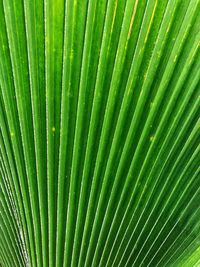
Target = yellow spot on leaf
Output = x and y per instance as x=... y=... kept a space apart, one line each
x=151 y=138
x=71 y=54
x=168 y=28
x=175 y=58
x=132 y=19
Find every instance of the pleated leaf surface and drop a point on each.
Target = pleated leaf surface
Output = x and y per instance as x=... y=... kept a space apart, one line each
x=99 y=133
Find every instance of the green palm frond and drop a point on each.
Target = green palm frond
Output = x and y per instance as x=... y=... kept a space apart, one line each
x=99 y=133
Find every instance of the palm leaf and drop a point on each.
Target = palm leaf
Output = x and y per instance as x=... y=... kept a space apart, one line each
x=99 y=133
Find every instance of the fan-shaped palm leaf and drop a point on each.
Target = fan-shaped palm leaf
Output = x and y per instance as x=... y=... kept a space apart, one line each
x=99 y=133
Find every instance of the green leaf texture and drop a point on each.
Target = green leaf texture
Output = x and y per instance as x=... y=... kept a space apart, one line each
x=99 y=133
